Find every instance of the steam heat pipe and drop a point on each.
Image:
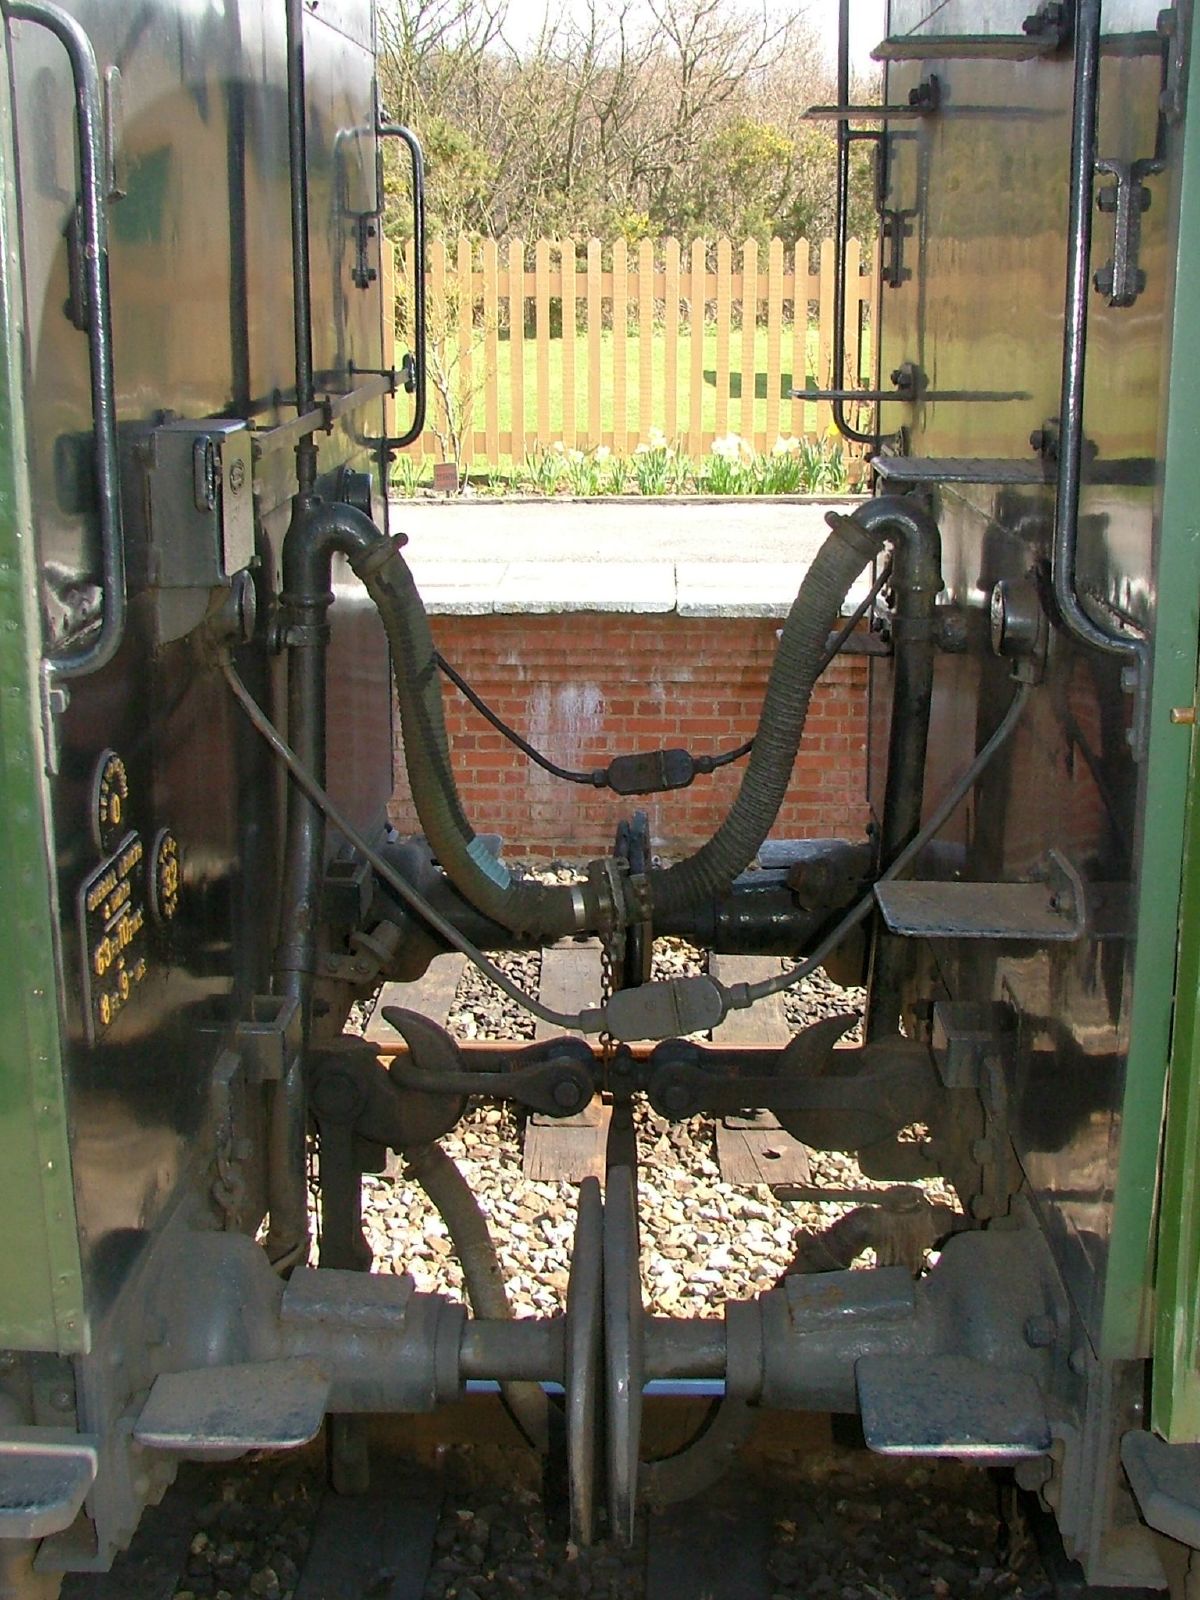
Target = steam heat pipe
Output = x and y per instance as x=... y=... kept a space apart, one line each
x=318 y=529
x=916 y=582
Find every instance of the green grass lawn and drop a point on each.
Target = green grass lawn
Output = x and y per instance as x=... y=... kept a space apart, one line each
x=794 y=417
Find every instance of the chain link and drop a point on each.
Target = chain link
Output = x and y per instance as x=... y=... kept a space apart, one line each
x=608 y=943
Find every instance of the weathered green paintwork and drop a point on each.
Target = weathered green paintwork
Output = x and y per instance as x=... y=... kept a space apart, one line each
x=1175 y=1394
x=1130 y=1303
x=41 y=1287
x=1175 y=1391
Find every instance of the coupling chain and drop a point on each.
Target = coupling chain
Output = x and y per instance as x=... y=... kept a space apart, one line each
x=608 y=960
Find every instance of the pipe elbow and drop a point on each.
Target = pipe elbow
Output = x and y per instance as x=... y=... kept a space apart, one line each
x=905 y=523
x=320 y=528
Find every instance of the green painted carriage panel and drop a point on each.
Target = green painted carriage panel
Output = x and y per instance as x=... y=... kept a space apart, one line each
x=41 y=1290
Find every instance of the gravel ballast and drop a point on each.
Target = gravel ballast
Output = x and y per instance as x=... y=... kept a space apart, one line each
x=843 y=1524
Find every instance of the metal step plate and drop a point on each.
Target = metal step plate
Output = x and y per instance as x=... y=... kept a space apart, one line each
x=949 y=1406
x=974 y=911
x=257 y=1405
x=45 y=1475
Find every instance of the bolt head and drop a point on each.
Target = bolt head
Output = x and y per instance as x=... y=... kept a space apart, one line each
x=676 y=1100
x=1040 y=1332
x=567 y=1094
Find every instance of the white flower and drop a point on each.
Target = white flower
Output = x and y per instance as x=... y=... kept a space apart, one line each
x=558 y=447
x=575 y=455
x=602 y=452
x=785 y=445
x=658 y=439
x=729 y=447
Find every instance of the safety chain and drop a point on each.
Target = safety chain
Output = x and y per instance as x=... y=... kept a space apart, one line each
x=612 y=950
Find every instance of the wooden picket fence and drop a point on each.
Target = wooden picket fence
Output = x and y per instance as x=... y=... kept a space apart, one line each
x=525 y=360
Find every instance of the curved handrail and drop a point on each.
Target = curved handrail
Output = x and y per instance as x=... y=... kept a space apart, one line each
x=100 y=650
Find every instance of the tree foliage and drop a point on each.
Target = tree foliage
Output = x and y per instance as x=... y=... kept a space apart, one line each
x=633 y=119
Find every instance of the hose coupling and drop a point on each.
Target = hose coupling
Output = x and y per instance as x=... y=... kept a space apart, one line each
x=367 y=562
x=861 y=540
x=605 y=897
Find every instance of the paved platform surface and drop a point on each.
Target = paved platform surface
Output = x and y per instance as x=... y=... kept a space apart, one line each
x=694 y=557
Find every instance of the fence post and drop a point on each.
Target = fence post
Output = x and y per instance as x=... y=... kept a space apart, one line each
x=466 y=397
x=724 y=312
x=645 y=288
x=516 y=346
x=774 y=338
x=671 y=339
x=825 y=372
x=438 y=340
x=799 y=333
x=595 y=319
x=541 y=290
x=749 y=329
x=620 y=316
x=566 y=254
x=697 y=300
x=491 y=350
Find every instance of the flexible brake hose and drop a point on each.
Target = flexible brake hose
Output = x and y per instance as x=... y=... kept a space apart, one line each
x=548 y=910
x=797 y=665
x=554 y=910
x=466 y=1224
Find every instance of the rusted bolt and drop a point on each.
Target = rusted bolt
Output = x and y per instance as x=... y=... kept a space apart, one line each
x=566 y=1094
x=1040 y=1332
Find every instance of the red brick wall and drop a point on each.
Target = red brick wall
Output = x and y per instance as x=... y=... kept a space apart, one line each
x=585 y=687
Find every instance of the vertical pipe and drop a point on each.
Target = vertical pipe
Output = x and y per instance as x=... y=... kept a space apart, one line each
x=306 y=450
x=1079 y=253
x=317 y=530
x=916 y=582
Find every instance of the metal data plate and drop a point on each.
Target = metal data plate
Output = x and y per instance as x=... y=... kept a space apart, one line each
x=974 y=911
x=949 y=1406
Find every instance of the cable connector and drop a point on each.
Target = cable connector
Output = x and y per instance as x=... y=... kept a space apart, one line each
x=650 y=772
x=666 y=1010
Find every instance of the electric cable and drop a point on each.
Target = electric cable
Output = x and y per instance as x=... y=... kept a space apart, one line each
x=595 y=779
x=585 y=1021
x=599 y=777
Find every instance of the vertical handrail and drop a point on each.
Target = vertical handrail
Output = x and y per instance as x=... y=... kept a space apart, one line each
x=89 y=121
x=395 y=130
x=841 y=237
x=1079 y=623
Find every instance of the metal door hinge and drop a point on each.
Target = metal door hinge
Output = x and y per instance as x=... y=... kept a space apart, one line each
x=896 y=227
x=363 y=274
x=1121 y=279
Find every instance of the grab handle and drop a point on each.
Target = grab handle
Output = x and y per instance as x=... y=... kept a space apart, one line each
x=415 y=365
x=89 y=124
